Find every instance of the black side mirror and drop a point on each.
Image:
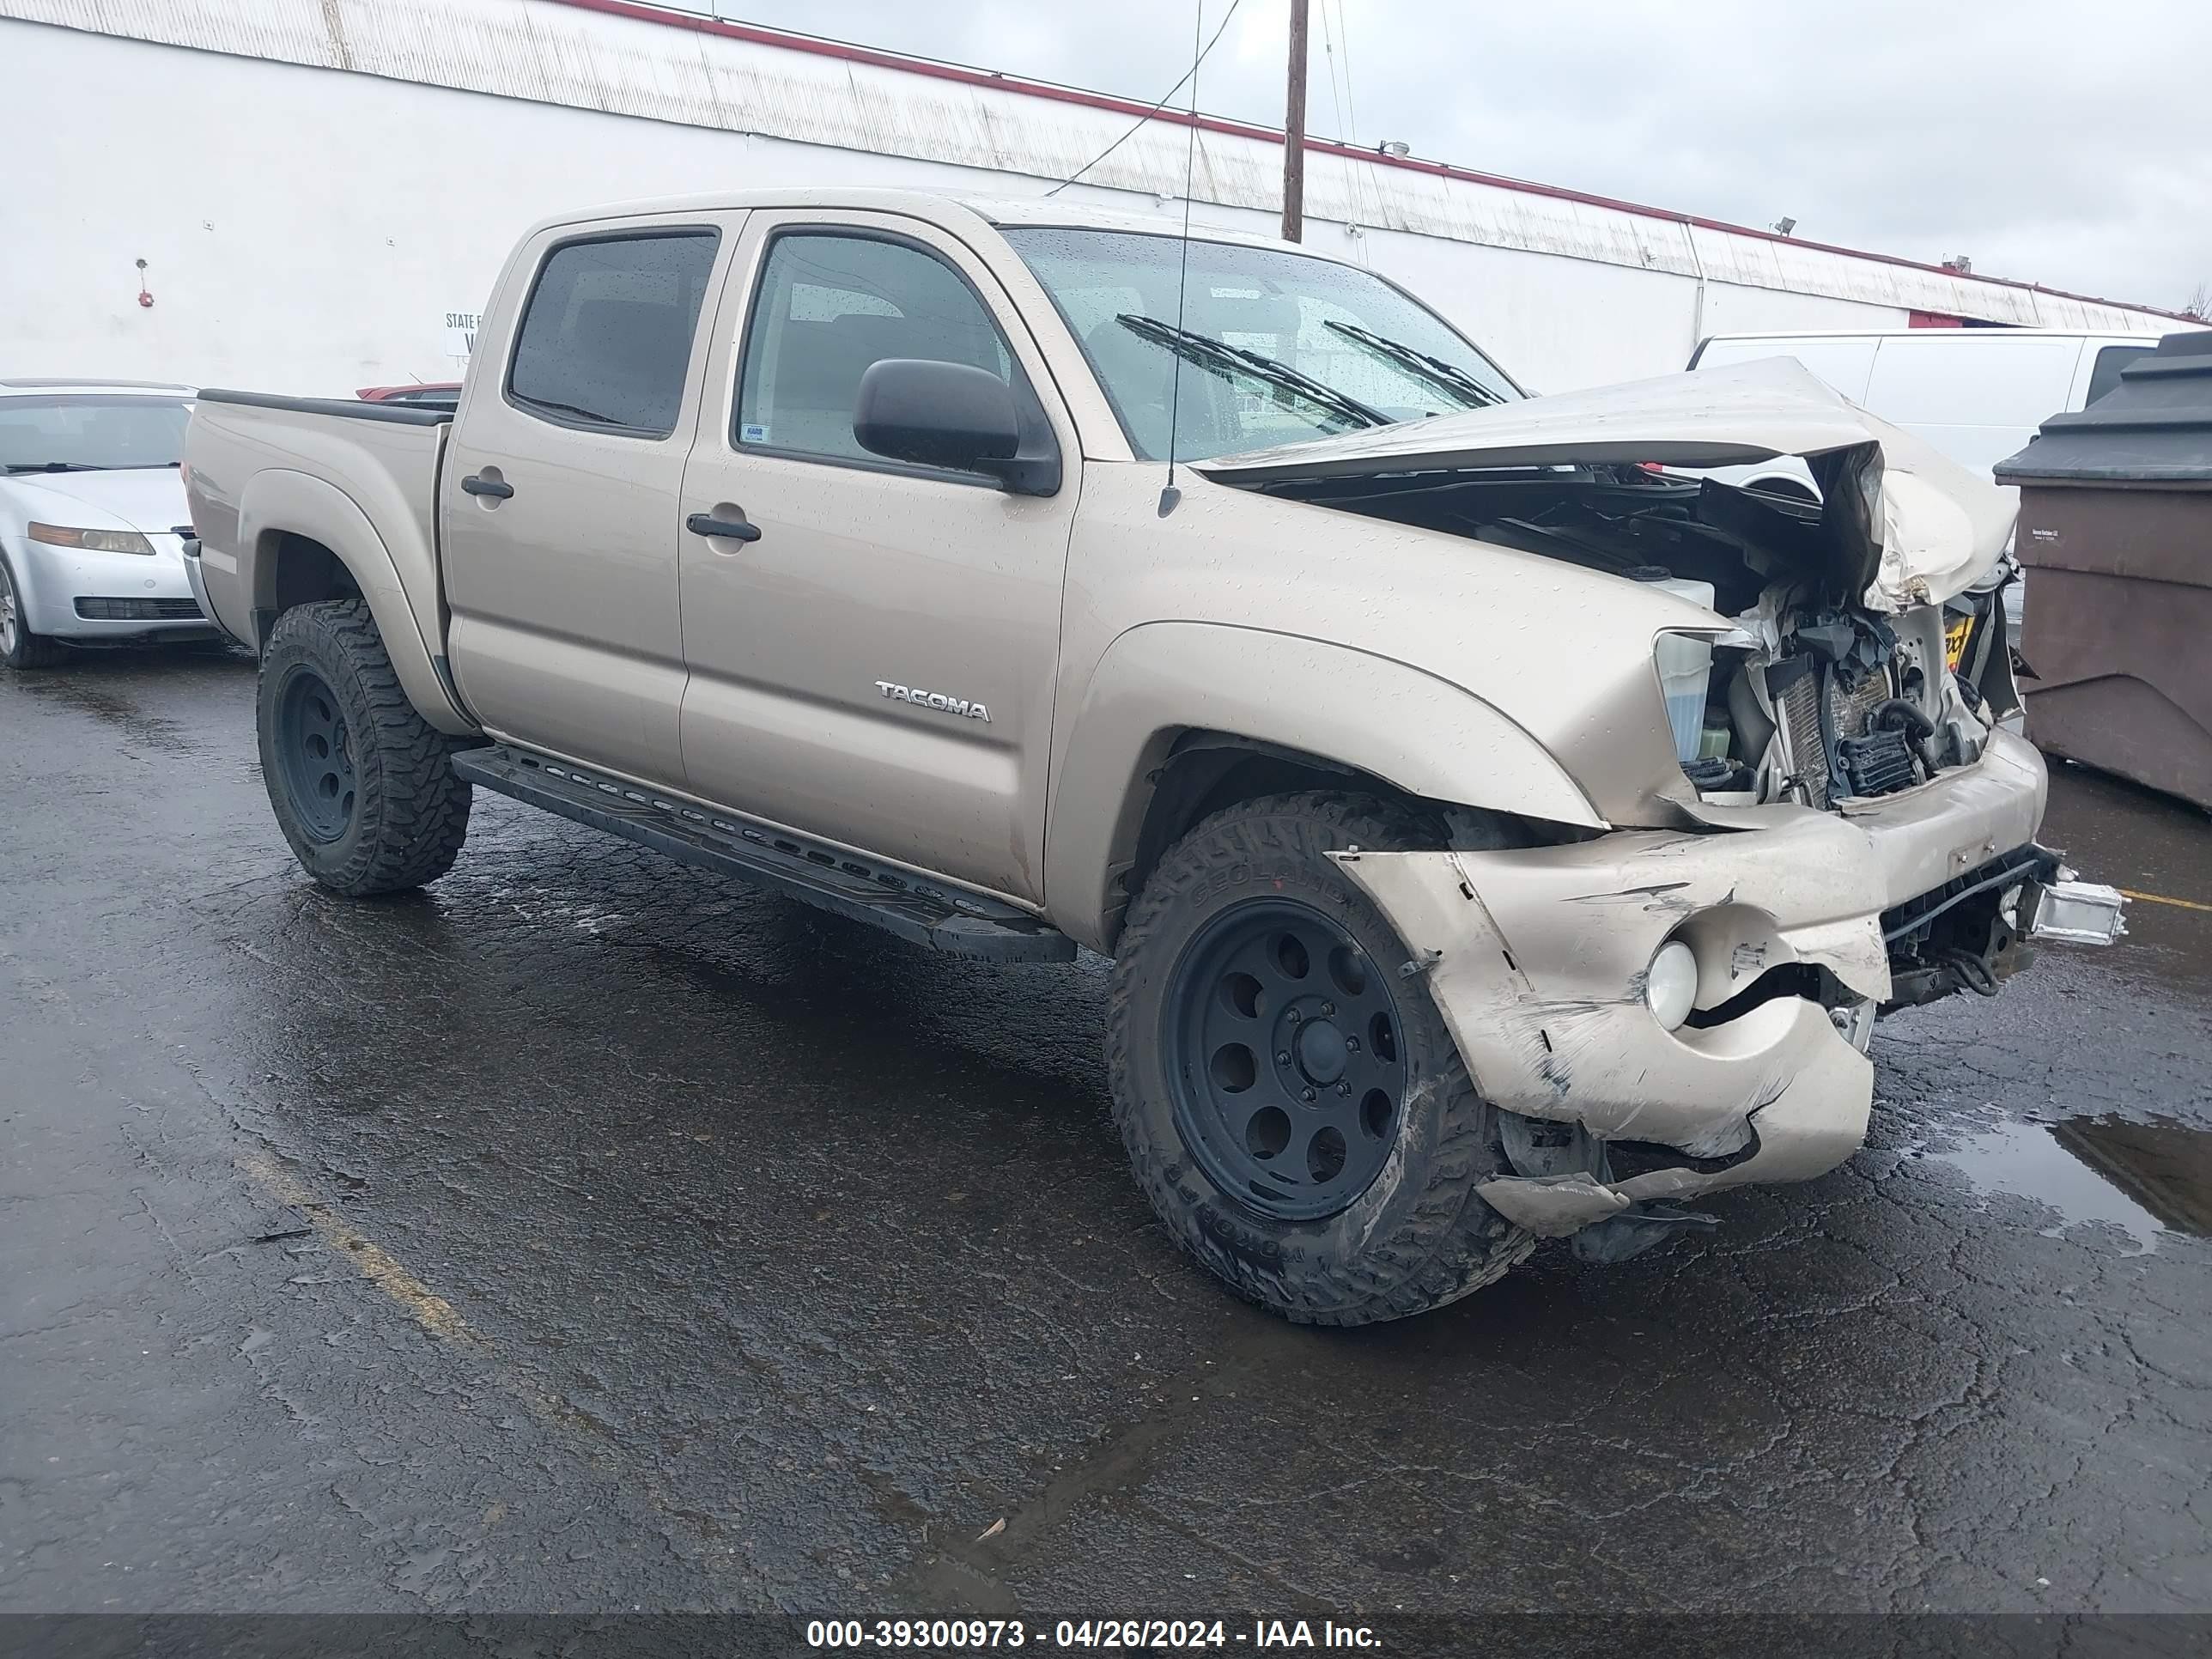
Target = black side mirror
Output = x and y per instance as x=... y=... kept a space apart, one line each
x=950 y=415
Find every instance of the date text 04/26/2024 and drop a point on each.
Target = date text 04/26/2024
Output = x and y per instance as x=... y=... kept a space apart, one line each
x=952 y=1635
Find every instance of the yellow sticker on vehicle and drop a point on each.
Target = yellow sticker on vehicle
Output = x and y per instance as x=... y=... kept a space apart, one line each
x=1956 y=632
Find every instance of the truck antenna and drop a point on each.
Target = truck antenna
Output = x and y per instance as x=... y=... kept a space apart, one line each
x=1219 y=29
x=1169 y=494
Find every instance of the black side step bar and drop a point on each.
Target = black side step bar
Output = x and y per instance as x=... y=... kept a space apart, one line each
x=940 y=917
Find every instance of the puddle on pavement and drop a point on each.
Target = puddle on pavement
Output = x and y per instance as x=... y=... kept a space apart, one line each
x=115 y=707
x=2150 y=1179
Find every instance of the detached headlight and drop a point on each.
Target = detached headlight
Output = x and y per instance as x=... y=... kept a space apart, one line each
x=91 y=541
x=1670 y=989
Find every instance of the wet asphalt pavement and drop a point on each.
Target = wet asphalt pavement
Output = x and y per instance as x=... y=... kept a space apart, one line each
x=588 y=1234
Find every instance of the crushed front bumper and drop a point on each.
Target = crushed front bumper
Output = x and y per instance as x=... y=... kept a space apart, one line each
x=1538 y=957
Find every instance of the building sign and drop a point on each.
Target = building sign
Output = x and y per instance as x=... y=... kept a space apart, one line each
x=461 y=334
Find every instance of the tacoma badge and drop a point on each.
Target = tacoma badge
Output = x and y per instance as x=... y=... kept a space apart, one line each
x=973 y=711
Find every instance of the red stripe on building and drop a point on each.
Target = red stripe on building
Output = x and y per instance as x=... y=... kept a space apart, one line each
x=934 y=69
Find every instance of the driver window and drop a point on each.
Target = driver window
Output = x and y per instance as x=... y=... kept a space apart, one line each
x=830 y=307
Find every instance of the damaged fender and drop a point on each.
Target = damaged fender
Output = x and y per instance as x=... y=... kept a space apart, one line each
x=1537 y=959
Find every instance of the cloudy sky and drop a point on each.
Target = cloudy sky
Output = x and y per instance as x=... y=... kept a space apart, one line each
x=2064 y=142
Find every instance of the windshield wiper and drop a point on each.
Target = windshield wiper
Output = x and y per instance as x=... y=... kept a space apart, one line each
x=54 y=466
x=1436 y=371
x=1219 y=354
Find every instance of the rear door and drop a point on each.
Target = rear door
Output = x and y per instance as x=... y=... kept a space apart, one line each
x=558 y=496
x=877 y=667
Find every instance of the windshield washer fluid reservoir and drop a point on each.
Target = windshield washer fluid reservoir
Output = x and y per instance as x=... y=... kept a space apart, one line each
x=1685 y=663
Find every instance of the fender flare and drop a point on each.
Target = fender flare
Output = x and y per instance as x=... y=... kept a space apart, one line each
x=279 y=500
x=1418 y=732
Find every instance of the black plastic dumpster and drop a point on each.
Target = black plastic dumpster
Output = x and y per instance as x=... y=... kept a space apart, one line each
x=2116 y=525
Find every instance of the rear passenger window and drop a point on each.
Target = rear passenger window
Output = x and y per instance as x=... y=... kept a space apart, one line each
x=2110 y=361
x=829 y=307
x=606 y=336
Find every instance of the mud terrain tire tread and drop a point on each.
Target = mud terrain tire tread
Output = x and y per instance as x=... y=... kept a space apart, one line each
x=413 y=809
x=1431 y=1240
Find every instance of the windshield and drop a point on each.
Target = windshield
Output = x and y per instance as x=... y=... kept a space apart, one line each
x=89 y=432
x=1292 y=321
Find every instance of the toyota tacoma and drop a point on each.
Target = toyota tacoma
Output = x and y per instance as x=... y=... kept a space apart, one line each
x=1497 y=832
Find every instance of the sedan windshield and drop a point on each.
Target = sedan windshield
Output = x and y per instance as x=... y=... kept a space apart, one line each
x=1275 y=348
x=89 y=432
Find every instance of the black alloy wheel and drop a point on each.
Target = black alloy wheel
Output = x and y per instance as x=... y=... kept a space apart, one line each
x=314 y=750
x=1282 y=1046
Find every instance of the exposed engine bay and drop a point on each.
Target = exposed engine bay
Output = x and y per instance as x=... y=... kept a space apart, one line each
x=1813 y=696
x=1845 y=824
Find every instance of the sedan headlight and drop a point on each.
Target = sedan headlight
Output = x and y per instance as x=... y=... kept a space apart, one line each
x=91 y=541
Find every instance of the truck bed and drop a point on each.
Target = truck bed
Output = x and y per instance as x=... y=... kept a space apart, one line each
x=350 y=409
x=363 y=473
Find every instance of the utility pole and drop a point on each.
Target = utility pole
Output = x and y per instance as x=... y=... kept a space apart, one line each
x=1294 y=131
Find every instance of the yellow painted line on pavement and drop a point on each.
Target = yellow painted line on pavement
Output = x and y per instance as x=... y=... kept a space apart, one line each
x=428 y=1310
x=2161 y=898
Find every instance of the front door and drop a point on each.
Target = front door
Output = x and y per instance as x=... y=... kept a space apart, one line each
x=557 y=499
x=876 y=668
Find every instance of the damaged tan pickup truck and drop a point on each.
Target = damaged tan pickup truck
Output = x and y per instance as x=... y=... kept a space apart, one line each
x=1499 y=832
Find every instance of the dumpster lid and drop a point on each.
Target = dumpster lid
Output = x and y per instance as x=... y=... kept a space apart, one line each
x=2155 y=427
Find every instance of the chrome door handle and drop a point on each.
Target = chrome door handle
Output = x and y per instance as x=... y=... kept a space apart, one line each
x=732 y=530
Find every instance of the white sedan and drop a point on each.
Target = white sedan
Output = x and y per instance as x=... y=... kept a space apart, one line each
x=93 y=521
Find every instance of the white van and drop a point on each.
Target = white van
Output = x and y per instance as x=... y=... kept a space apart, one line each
x=1978 y=394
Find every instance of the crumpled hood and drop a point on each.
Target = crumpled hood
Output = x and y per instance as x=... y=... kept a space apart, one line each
x=1909 y=524
x=149 y=500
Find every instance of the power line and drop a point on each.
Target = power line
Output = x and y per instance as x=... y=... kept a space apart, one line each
x=1345 y=133
x=1189 y=77
x=1336 y=92
x=1351 y=111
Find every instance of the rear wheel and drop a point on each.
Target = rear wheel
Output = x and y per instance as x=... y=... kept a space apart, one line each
x=19 y=646
x=364 y=787
x=1293 y=1102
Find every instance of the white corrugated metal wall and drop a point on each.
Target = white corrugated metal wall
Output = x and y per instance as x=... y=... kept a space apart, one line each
x=320 y=188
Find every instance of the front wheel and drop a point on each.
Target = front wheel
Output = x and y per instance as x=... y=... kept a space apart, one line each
x=363 y=787
x=1292 y=1100
x=19 y=646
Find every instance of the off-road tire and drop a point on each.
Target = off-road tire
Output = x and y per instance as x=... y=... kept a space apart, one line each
x=1419 y=1236
x=410 y=812
x=25 y=649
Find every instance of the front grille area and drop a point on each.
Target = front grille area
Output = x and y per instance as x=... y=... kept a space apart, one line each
x=1909 y=925
x=1879 y=763
x=1816 y=707
x=1801 y=721
x=139 y=610
x=1849 y=711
